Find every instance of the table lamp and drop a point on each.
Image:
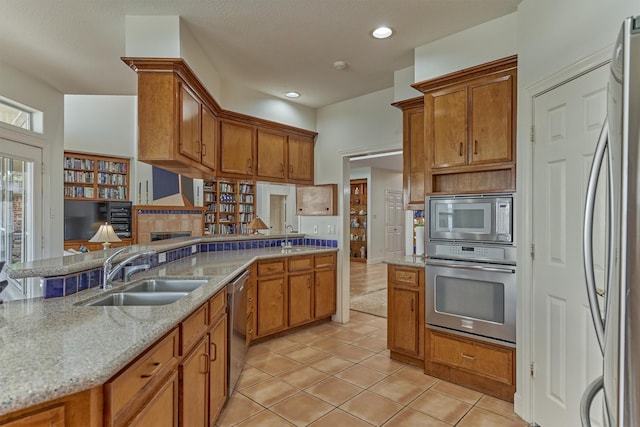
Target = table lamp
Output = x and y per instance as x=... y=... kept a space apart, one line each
x=105 y=235
x=257 y=224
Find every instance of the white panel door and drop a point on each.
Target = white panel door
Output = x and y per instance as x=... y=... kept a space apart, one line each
x=567 y=122
x=394 y=224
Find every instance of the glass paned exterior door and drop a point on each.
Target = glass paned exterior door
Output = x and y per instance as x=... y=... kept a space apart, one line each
x=16 y=216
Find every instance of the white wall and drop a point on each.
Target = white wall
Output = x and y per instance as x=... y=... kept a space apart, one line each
x=402 y=80
x=25 y=89
x=152 y=36
x=483 y=43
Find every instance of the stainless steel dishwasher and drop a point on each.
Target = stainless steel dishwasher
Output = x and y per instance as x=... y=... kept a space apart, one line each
x=237 y=332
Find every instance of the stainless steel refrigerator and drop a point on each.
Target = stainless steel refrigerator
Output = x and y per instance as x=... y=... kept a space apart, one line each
x=619 y=149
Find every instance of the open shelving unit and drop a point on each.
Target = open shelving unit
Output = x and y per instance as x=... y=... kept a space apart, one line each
x=358 y=220
x=90 y=177
x=230 y=206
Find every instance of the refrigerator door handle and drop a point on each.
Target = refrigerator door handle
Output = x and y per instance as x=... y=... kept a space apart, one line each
x=587 y=235
x=587 y=399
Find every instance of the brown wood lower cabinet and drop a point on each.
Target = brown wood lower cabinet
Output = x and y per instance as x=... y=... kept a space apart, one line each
x=479 y=365
x=217 y=368
x=161 y=411
x=290 y=292
x=194 y=386
x=127 y=394
x=405 y=320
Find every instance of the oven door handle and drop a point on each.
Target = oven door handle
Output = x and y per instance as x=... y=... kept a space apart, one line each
x=472 y=267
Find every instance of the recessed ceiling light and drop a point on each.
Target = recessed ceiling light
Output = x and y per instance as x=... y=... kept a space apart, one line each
x=292 y=94
x=382 y=32
x=339 y=65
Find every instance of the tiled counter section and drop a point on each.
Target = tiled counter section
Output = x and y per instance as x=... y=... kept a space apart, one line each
x=52 y=348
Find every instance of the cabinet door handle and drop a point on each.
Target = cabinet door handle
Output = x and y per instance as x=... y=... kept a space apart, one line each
x=249 y=164
x=460 y=150
x=411 y=304
x=475 y=146
x=308 y=283
x=215 y=352
x=282 y=168
x=204 y=149
x=197 y=146
x=466 y=356
x=156 y=366
x=205 y=357
x=290 y=168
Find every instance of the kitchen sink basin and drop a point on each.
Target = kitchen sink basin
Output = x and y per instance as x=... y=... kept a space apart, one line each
x=137 y=298
x=166 y=285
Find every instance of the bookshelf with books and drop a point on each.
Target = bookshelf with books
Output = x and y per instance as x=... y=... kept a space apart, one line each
x=91 y=177
x=230 y=206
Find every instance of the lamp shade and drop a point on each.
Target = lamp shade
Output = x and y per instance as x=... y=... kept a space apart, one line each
x=105 y=235
x=257 y=224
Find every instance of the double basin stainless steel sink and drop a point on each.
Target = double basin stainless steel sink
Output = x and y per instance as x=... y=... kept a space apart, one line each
x=150 y=292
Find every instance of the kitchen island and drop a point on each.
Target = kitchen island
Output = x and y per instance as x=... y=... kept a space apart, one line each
x=57 y=347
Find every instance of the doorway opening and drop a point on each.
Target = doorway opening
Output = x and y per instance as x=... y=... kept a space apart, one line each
x=373 y=178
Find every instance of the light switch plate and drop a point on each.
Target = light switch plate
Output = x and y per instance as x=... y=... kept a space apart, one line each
x=162 y=257
x=315 y=229
x=194 y=249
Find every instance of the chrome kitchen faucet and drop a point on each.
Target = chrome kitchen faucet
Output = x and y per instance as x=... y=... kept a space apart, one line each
x=109 y=272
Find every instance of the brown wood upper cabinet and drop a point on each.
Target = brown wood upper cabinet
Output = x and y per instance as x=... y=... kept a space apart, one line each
x=183 y=129
x=412 y=152
x=177 y=131
x=470 y=129
x=237 y=142
x=284 y=158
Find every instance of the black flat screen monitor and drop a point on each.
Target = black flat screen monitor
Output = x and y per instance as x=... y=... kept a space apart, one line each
x=82 y=218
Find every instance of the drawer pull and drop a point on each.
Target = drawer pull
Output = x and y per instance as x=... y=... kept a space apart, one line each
x=475 y=146
x=153 y=372
x=411 y=304
x=460 y=150
x=466 y=356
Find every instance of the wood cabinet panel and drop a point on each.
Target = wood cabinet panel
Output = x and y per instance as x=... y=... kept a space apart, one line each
x=237 y=142
x=449 y=127
x=194 y=386
x=272 y=267
x=405 y=319
x=272 y=155
x=209 y=138
x=193 y=328
x=301 y=298
x=491 y=120
x=300 y=159
x=51 y=417
x=217 y=368
x=271 y=305
x=162 y=408
x=479 y=365
x=325 y=293
x=413 y=158
x=300 y=263
x=190 y=124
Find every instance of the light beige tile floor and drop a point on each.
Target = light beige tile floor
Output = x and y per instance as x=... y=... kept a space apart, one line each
x=340 y=375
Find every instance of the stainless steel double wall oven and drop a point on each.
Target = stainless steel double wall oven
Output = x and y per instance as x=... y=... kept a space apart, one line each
x=471 y=266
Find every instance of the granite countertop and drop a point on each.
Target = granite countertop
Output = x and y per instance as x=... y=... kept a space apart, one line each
x=52 y=348
x=60 y=266
x=408 y=260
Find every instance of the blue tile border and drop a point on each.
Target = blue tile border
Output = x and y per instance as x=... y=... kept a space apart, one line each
x=55 y=287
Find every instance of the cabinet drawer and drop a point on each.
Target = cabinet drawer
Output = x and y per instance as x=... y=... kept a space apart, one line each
x=325 y=260
x=52 y=417
x=217 y=305
x=149 y=369
x=193 y=328
x=487 y=360
x=405 y=276
x=300 y=263
x=271 y=267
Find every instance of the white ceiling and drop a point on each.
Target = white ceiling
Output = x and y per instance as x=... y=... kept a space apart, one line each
x=272 y=46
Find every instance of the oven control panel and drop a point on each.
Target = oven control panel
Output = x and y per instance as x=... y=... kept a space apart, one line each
x=470 y=252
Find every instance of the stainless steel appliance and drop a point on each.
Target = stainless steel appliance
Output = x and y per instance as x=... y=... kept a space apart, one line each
x=618 y=145
x=475 y=218
x=470 y=267
x=237 y=331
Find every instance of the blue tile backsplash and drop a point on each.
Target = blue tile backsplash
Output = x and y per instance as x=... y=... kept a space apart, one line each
x=55 y=287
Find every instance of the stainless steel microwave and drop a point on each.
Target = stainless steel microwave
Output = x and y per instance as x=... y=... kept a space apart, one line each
x=473 y=218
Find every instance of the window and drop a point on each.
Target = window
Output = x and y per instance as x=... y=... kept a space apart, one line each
x=15 y=116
